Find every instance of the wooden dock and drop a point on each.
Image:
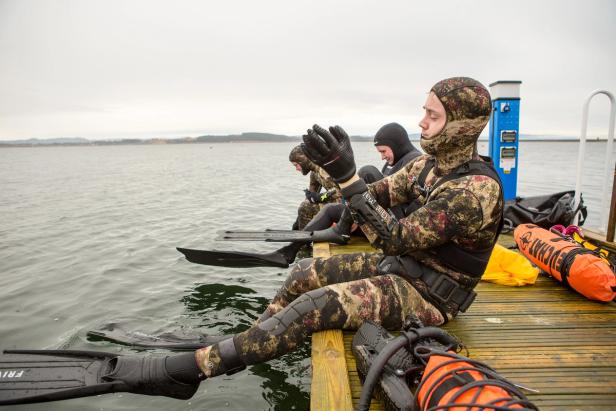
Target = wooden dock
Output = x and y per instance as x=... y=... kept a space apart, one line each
x=544 y=336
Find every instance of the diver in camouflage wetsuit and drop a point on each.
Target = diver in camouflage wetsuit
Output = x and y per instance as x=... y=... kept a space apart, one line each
x=430 y=261
x=318 y=179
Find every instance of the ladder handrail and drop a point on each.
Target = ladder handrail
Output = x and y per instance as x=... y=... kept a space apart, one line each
x=608 y=154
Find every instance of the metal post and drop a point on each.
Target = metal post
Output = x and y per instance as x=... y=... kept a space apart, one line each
x=611 y=222
x=608 y=154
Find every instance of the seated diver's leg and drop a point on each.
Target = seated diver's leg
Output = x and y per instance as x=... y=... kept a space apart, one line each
x=328 y=215
x=386 y=299
x=312 y=273
x=370 y=174
x=305 y=212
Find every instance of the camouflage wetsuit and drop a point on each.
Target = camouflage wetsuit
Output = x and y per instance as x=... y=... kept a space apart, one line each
x=319 y=179
x=344 y=290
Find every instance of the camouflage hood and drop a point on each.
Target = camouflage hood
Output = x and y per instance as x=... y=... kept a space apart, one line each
x=468 y=107
x=298 y=156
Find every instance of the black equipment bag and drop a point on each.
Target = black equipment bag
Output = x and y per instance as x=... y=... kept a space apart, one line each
x=544 y=211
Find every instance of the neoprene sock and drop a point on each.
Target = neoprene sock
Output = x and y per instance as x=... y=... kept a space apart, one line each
x=290 y=251
x=183 y=368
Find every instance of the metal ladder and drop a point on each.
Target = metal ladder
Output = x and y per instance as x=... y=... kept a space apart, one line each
x=608 y=158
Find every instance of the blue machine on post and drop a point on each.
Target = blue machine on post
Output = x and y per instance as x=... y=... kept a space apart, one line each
x=505 y=133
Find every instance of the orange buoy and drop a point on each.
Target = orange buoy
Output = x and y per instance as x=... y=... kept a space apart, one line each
x=567 y=261
x=452 y=382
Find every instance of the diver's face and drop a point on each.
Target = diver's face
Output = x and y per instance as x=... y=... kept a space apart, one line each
x=297 y=166
x=434 y=119
x=386 y=154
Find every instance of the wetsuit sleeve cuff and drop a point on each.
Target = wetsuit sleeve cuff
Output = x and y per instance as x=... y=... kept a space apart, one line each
x=357 y=187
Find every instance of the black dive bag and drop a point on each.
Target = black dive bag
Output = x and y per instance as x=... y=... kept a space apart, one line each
x=544 y=211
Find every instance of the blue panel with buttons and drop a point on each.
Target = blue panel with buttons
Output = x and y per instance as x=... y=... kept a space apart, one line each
x=504 y=133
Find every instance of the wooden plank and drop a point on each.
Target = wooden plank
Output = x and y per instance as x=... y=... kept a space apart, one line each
x=521 y=338
x=355 y=245
x=320 y=250
x=494 y=322
x=564 y=402
x=330 y=390
x=544 y=357
x=486 y=308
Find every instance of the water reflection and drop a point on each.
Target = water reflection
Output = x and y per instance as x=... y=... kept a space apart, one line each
x=228 y=309
x=279 y=393
x=231 y=309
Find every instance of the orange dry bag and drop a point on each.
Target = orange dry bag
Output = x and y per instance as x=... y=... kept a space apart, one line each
x=453 y=382
x=567 y=261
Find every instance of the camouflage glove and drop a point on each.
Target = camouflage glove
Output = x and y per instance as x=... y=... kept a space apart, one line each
x=331 y=150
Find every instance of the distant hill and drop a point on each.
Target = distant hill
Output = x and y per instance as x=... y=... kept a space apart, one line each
x=252 y=136
x=231 y=138
x=47 y=141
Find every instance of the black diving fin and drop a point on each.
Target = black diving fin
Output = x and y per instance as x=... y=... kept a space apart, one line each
x=328 y=235
x=28 y=376
x=167 y=340
x=235 y=258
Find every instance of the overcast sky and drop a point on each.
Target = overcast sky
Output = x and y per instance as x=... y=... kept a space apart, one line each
x=110 y=69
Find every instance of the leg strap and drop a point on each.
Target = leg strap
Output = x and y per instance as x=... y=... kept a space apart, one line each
x=229 y=357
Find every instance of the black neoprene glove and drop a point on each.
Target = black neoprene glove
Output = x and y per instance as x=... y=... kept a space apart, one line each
x=313 y=197
x=331 y=150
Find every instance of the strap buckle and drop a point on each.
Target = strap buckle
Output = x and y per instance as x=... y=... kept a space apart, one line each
x=447 y=290
x=443 y=288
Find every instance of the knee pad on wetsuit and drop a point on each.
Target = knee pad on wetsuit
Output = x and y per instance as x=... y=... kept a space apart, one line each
x=301 y=270
x=305 y=304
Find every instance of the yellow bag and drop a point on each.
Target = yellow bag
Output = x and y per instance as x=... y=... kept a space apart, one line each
x=507 y=267
x=601 y=252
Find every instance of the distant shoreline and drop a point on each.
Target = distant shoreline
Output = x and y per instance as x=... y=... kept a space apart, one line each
x=231 y=139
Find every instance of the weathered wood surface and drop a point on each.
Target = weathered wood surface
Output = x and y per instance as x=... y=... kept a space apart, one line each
x=330 y=389
x=544 y=336
x=548 y=338
x=335 y=383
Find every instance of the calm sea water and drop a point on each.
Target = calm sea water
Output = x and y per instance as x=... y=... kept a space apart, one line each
x=88 y=237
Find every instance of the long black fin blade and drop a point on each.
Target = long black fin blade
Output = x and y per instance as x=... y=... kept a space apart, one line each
x=169 y=341
x=234 y=258
x=28 y=376
x=328 y=235
x=283 y=236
